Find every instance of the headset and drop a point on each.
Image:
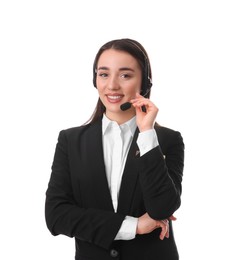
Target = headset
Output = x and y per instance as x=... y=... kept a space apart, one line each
x=146 y=81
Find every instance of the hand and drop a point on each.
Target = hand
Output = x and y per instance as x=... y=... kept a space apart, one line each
x=145 y=120
x=146 y=225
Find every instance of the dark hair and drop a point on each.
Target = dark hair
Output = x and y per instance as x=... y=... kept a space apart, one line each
x=135 y=49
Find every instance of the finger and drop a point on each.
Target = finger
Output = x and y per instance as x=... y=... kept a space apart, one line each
x=139 y=103
x=165 y=221
x=142 y=103
x=167 y=234
x=166 y=228
x=164 y=231
x=141 y=107
x=172 y=217
x=168 y=231
x=139 y=98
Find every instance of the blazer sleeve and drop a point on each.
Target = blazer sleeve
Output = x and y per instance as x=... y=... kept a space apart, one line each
x=63 y=214
x=161 y=175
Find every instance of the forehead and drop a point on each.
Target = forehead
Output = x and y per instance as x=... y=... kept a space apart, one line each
x=117 y=58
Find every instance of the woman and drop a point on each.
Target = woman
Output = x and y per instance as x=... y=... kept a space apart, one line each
x=116 y=181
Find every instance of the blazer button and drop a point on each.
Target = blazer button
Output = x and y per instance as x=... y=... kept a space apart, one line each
x=114 y=253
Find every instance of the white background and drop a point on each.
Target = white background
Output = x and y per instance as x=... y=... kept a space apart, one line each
x=46 y=55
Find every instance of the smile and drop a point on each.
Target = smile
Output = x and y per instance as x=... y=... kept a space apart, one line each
x=114 y=98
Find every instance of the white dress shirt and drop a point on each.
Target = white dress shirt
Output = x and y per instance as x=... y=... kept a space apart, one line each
x=117 y=140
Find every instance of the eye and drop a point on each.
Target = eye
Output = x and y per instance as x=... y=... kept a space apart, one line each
x=103 y=75
x=125 y=76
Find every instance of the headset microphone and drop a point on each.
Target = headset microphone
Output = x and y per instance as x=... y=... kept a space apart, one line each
x=125 y=106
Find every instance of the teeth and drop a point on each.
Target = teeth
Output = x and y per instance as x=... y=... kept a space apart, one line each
x=114 y=97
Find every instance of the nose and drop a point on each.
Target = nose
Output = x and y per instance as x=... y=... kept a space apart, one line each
x=113 y=83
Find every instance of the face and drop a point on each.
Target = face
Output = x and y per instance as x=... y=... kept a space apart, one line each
x=118 y=80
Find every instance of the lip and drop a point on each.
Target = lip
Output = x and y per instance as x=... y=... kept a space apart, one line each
x=114 y=98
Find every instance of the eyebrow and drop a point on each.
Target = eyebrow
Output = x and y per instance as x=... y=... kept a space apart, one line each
x=120 y=69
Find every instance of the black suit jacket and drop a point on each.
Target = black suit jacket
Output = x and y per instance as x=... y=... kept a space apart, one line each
x=78 y=200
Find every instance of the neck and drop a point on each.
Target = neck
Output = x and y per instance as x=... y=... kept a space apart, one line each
x=121 y=117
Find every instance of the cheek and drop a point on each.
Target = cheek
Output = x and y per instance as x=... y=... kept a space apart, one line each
x=135 y=89
x=99 y=85
x=101 y=93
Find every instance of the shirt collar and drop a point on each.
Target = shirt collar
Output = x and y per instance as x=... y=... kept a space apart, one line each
x=130 y=125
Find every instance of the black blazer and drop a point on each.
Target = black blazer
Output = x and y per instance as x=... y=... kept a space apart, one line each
x=78 y=201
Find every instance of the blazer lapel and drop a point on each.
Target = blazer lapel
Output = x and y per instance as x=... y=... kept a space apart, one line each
x=96 y=166
x=130 y=177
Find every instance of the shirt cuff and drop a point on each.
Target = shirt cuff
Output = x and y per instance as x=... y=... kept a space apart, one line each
x=128 y=228
x=147 y=140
